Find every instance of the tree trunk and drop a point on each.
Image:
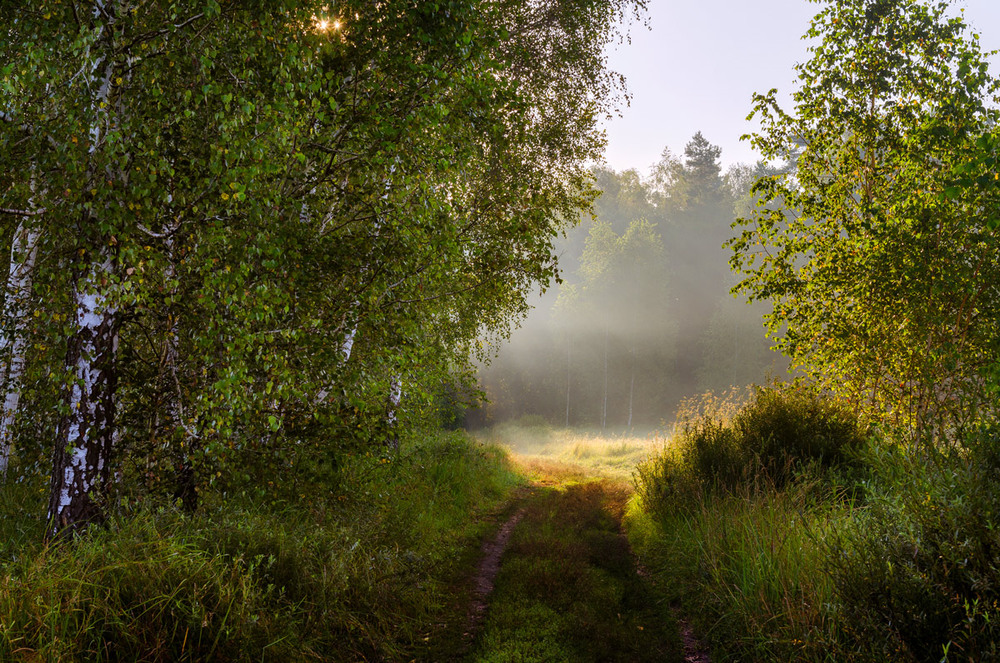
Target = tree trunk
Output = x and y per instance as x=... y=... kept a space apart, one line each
x=185 y=480
x=395 y=395
x=631 y=389
x=568 y=376
x=81 y=466
x=24 y=248
x=604 y=406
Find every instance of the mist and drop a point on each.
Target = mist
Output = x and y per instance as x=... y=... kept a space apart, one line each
x=644 y=315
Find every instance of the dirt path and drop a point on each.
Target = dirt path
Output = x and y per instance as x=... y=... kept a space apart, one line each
x=567 y=587
x=486 y=573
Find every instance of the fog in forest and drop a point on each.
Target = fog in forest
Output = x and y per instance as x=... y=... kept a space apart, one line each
x=644 y=315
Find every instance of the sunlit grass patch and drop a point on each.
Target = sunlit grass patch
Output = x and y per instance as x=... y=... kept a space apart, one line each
x=610 y=454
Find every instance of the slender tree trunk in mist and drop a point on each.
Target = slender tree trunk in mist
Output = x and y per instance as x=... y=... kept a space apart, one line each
x=568 y=374
x=631 y=388
x=736 y=351
x=604 y=407
x=635 y=330
x=24 y=249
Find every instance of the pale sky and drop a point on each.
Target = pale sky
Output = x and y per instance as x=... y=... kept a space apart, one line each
x=698 y=66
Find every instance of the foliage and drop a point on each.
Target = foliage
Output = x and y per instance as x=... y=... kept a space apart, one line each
x=278 y=221
x=763 y=445
x=876 y=275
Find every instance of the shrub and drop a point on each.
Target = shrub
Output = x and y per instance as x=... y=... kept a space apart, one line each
x=783 y=428
x=778 y=433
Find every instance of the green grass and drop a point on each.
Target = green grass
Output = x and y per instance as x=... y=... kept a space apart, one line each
x=373 y=570
x=747 y=569
x=568 y=589
x=787 y=539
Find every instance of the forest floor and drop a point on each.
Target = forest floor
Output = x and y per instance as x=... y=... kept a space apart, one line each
x=559 y=582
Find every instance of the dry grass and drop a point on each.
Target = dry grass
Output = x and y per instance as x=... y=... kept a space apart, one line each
x=566 y=454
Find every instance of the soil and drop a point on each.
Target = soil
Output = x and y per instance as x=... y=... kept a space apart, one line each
x=486 y=573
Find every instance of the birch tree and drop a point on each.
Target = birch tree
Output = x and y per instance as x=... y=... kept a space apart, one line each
x=258 y=214
x=880 y=282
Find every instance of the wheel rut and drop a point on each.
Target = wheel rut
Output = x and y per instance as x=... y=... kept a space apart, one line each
x=558 y=582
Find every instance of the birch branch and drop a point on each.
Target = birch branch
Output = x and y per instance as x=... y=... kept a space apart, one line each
x=22 y=212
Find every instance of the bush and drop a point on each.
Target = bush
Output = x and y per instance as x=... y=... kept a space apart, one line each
x=783 y=428
x=771 y=439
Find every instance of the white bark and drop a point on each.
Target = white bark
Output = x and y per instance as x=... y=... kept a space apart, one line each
x=348 y=344
x=92 y=312
x=87 y=434
x=395 y=396
x=23 y=251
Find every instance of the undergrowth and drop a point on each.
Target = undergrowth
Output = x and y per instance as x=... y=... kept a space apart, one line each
x=363 y=573
x=788 y=536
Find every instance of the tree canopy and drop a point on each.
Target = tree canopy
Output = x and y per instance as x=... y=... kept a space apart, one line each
x=878 y=266
x=254 y=219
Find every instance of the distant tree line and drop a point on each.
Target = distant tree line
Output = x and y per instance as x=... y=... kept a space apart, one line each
x=643 y=315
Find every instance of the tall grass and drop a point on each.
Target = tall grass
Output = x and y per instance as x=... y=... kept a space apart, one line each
x=732 y=517
x=788 y=536
x=745 y=567
x=367 y=572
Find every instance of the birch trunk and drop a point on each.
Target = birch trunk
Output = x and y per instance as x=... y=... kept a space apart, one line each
x=81 y=468
x=24 y=248
x=185 y=481
x=395 y=396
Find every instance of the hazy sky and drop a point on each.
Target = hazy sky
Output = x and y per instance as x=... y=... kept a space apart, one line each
x=699 y=64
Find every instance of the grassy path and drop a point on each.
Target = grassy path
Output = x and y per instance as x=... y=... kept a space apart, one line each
x=567 y=587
